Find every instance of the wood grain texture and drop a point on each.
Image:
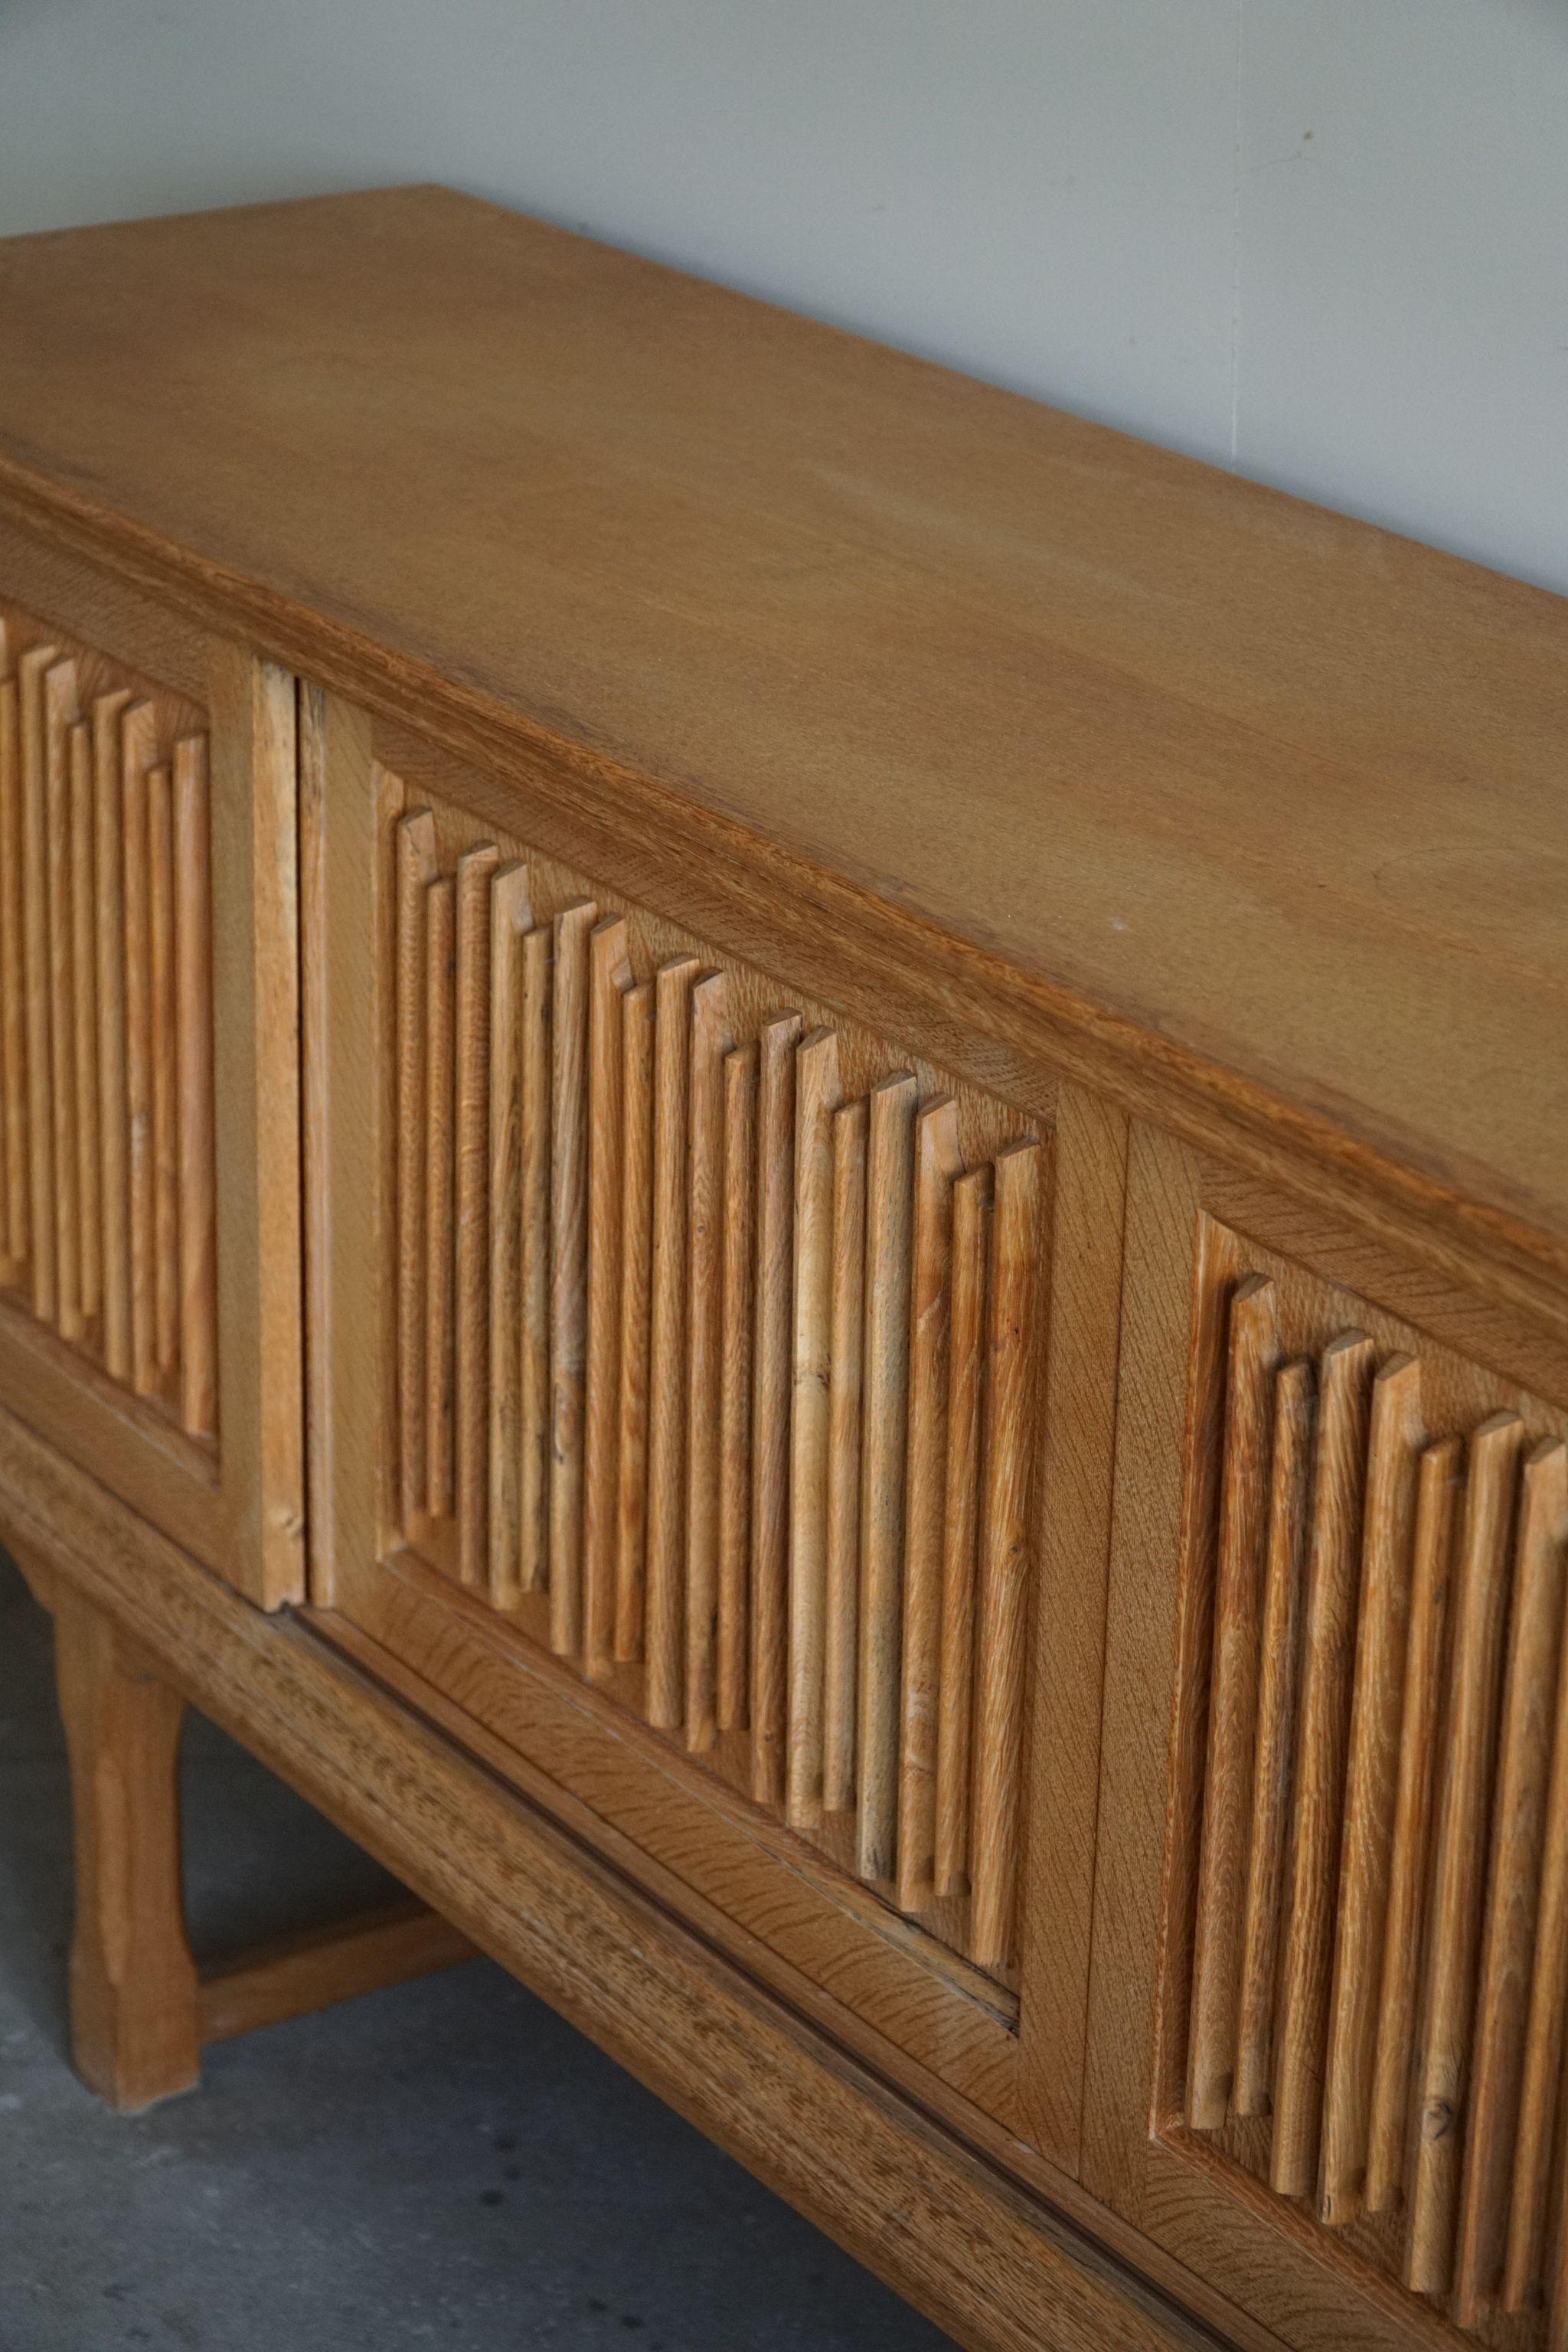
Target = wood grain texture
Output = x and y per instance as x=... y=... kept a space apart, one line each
x=1393 y=1443
x=999 y=1689
x=1192 y=1236
x=84 y=1017
x=136 y=2036
x=297 y=1975
x=739 y=1351
x=510 y=917
x=1333 y=1559
x=816 y=1082
x=139 y=1299
x=889 y=1218
x=440 y=1196
x=416 y=861
x=698 y=1164
x=666 y=1417
x=710 y=1041
x=841 y=1634
x=1459 y=1885
x=938 y=1164
x=139 y=1078
x=166 y=1077
x=568 y=1268
x=13 y=982
x=1509 y=1941
x=109 y=1092
x=1540 y=2088
x=197 y=1138
x=1284 y=1586
x=472 y=1143
x=637 y=1041
x=612 y=1959
x=31 y=672
x=533 y=1337
x=110 y=713
x=1233 y=1700
x=999 y=570
x=961 y=1530
x=61 y=709
x=1426 y=1657
x=609 y=977
x=771 y=1408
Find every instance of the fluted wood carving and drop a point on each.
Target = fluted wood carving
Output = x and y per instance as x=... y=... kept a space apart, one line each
x=1379 y=1957
x=107 y=1199
x=716 y=1344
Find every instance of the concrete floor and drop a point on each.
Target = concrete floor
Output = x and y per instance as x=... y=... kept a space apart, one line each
x=446 y=2164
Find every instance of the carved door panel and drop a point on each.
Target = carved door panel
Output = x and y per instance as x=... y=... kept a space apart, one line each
x=149 y=1214
x=681 y=1392
x=1331 y=1950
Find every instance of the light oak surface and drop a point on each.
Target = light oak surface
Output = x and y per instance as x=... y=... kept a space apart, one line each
x=838 y=1108
x=1325 y=761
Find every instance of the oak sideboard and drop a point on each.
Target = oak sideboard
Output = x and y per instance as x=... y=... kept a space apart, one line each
x=783 y=1172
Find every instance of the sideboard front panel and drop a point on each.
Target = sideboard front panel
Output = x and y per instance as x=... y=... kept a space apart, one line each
x=683 y=1400
x=147 y=954
x=1335 y=2078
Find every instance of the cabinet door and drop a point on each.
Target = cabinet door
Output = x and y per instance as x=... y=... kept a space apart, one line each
x=681 y=1381
x=1330 y=1960
x=149 y=1158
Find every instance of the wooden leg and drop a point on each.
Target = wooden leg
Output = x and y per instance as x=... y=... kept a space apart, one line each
x=141 y=2011
x=136 y=2031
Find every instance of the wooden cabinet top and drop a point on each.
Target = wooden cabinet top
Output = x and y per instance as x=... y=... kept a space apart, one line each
x=1232 y=797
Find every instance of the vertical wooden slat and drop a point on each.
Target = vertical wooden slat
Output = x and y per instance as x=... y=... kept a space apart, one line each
x=1436 y=1498
x=165 y=1075
x=416 y=861
x=1557 y=2290
x=817 y=1096
x=108 y=712
x=937 y=1167
x=10 y=767
x=35 y=994
x=1344 y=1386
x=965 y=1436
x=735 y=1399
x=890 y=1219
x=1372 y=1771
x=1542 y=2068
x=535 y=1244
x=84 y=1008
x=710 y=1041
x=1284 y=1580
x=1442 y=2064
x=636 y=1306
x=138 y=1068
x=673 y=984
x=60 y=710
x=199 y=1178
x=568 y=1272
x=1514 y=1888
x=609 y=978
x=1252 y=1356
x=771 y=1403
x=13 y=982
x=510 y=916
x=476 y=869
x=1004 y=1556
x=440 y=1040
x=841 y=1643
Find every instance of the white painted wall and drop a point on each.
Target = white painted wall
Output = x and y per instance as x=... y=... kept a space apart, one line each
x=1325 y=241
